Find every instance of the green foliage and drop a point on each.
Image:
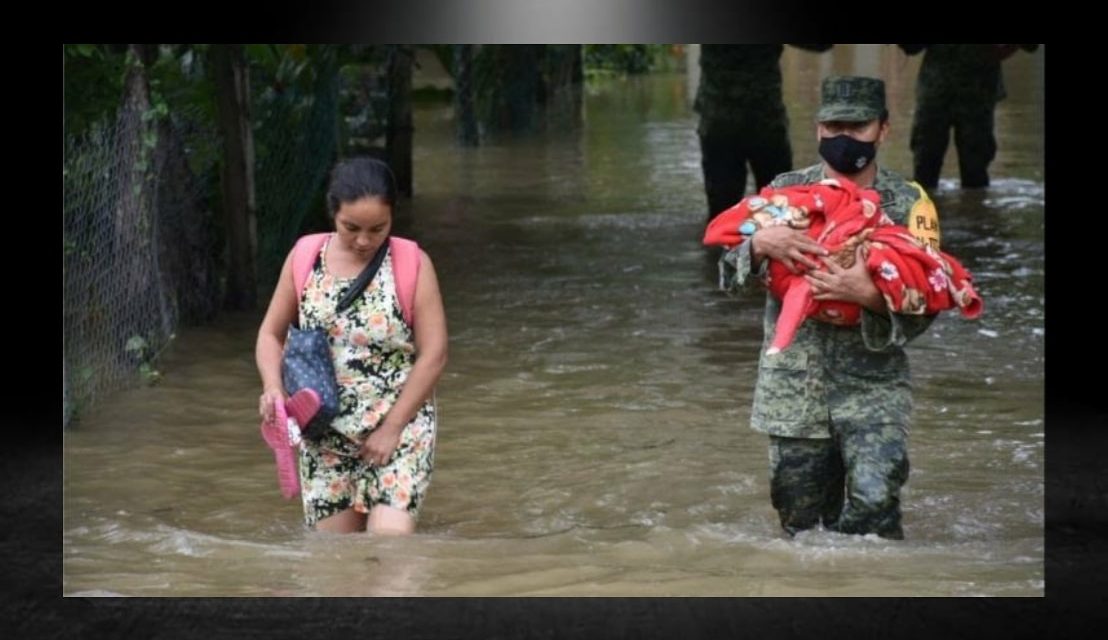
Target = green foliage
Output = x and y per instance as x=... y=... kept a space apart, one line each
x=629 y=59
x=92 y=85
x=140 y=351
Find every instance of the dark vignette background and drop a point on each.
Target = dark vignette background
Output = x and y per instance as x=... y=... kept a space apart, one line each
x=1076 y=419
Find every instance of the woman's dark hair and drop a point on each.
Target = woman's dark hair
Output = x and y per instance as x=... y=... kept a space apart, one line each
x=356 y=178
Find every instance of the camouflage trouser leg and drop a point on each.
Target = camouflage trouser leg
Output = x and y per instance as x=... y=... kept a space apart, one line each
x=724 y=167
x=725 y=151
x=929 y=140
x=876 y=461
x=976 y=143
x=806 y=481
x=770 y=153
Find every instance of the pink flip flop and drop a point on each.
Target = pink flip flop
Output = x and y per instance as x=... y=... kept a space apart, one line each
x=302 y=406
x=276 y=434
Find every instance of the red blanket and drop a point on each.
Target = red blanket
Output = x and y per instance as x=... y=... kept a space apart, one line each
x=913 y=276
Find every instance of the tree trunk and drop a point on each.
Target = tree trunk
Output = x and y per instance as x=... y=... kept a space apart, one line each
x=184 y=233
x=465 y=116
x=398 y=138
x=134 y=212
x=233 y=96
x=564 y=68
x=563 y=78
x=518 y=88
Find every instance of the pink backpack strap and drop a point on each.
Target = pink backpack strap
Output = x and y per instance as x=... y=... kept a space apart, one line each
x=303 y=258
x=405 y=270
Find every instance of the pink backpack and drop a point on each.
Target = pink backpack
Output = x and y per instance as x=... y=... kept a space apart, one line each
x=405 y=267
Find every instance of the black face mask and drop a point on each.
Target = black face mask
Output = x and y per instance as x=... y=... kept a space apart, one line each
x=845 y=154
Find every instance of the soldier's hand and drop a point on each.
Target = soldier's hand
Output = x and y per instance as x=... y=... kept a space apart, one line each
x=786 y=245
x=847 y=285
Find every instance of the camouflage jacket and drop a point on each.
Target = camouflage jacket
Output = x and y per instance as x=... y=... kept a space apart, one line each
x=967 y=74
x=740 y=87
x=832 y=373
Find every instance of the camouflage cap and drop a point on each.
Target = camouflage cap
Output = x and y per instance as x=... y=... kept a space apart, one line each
x=851 y=99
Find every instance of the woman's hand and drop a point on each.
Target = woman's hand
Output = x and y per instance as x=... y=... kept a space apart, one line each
x=380 y=445
x=267 y=401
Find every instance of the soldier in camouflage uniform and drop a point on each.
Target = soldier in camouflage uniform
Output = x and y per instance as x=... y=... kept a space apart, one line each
x=836 y=404
x=958 y=86
x=742 y=119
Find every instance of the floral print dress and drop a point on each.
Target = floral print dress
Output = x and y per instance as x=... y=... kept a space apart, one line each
x=373 y=351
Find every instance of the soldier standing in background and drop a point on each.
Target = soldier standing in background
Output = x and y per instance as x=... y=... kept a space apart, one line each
x=959 y=86
x=742 y=118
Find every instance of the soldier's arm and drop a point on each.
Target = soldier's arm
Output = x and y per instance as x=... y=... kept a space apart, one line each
x=736 y=273
x=749 y=261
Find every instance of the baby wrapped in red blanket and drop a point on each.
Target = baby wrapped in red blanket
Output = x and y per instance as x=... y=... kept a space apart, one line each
x=913 y=276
